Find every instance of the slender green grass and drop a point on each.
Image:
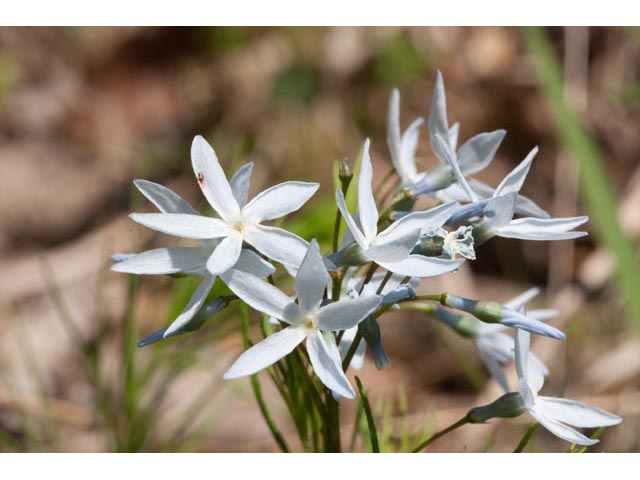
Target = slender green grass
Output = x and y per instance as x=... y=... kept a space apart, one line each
x=373 y=434
x=597 y=190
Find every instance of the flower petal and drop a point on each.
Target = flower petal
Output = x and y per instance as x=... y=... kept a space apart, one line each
x=478 y=152
x=277 y=244
x=344 y=314
x=452 y=135
x=327 y=367
x=514 y=319
x=279 y=200
x=423 y=221
x=522 y=299
x=530 y=371
x=197 y=300
x=240 y=182
x=393 y=132
x=312 y=279
x=163 y=198
x=212 y=180
x=576 y=413
x=351 y=223
x=182 y=224
x=267 y=352
x=393 y=249
x=257 y=293
x=491 y=356
x=251 y=262
x=164 y=261
x=443 y=150
x=543 y=228
x=513 y=182
x=558 y=429
x=499 y=210
x=367 y=210
x=421 y=266
x=438 y=123
x=225 y=255
x=409 y=146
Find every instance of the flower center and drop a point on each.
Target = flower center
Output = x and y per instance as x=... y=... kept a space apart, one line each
x=239 y=226
x=308 y=322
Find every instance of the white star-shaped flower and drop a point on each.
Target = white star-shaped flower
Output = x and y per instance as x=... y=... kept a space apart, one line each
x=497 y=220
x=189 y=260
x=308 y=320
x=557 y=415
x=512 y=183
x=496 y=347
x=239 y=221
x=456 y=163
x=391 y=248
x=402 y=146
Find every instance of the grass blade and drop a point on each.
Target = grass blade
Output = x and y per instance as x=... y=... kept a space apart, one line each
x=373 y=434
x=596 y=187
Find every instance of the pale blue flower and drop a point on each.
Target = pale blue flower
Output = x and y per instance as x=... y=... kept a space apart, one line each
x=558 y=415
x=239 y=221
x=308 y=320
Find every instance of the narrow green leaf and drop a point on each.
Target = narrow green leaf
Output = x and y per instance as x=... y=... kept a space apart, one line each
x=596 y=189
x=373 y=434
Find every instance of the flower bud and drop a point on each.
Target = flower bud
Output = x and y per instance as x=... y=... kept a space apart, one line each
x=206 y=312
x=465 y=325
x=345 y=175
x=371 y=332
x=351 y=256
x=509 y=405
x=439 y=178
x=492 y=312
x=486 y=310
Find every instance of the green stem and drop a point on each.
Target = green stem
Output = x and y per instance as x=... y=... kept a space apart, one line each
x=373 y=434
x=372 y=269
x=257 y=390
x=463 y=421
x=527 y=436
x=383 y=182
x=352 y=350
x=384 y=282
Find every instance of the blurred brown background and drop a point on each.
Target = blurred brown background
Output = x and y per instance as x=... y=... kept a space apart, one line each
x=83 y=111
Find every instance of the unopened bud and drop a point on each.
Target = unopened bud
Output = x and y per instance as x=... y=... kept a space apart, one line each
x=371 y=332
x=509 y=405
x=351 y=256
x=465 y=325
x=344 y=171
x=486 y=310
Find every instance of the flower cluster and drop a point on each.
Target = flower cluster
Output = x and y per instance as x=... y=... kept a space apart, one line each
x=387 y=248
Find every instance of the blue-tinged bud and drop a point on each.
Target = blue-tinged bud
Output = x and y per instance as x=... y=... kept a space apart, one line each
x=439 y=178
x=350 y=256
x=486 y=310
x=466 y=212
x=206 y=312
x=465 y=325
x=509 y=405
x=403 y=292
x=371 y=332
x=492 y=312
